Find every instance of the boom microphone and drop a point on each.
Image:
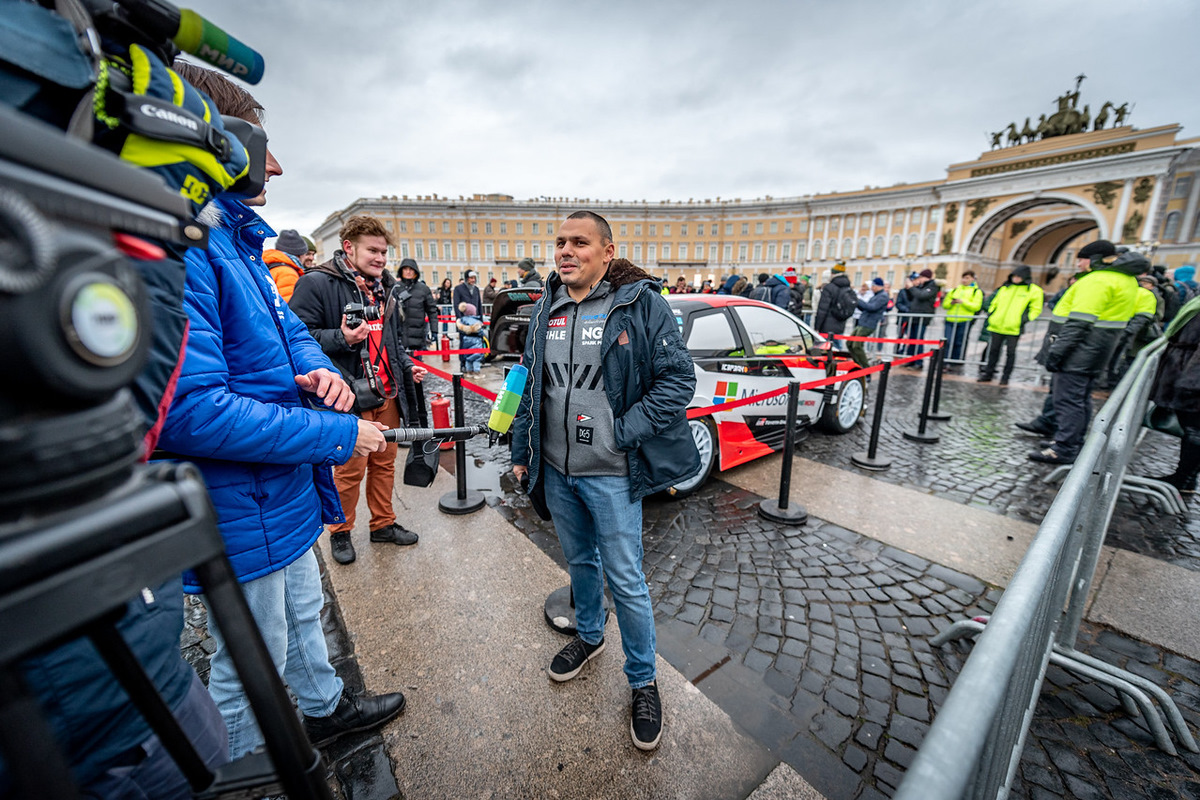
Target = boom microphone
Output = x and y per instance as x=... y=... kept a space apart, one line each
x=426 y=434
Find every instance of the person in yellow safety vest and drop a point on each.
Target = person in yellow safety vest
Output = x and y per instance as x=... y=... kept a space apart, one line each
x=1016 y=302
x=1078 y=348
x=1142 y=329
x=962 y=303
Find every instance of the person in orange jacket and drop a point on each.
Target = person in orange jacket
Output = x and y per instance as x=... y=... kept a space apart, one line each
x=286 y=261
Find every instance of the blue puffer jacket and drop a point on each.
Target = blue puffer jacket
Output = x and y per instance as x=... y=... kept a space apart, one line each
x=649 y=379
x=238 y=415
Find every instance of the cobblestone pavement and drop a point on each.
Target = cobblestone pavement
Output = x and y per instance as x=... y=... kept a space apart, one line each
x=815 y=639
x=359 y=767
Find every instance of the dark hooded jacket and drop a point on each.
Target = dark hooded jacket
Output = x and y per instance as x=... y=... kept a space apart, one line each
x=1178 y=383
x=1090 y=318
x=824 y=321
x=321 y=295
x=420 y=312
x=649 y=379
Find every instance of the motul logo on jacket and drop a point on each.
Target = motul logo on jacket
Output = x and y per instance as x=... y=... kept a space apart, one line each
x=558 y=322
x=170 y=116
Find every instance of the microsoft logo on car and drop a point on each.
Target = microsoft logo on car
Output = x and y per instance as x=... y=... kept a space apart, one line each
x=726 y=392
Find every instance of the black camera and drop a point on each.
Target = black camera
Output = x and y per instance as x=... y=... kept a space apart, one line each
x=356 y=313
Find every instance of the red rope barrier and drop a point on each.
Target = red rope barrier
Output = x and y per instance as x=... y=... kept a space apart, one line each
x=931 y=342
x=473 y=351
x=479 y=390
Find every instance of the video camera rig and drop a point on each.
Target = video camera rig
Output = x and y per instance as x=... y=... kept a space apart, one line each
x=83 y=526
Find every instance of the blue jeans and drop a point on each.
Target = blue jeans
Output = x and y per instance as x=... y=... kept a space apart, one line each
x=287 y=607
x=956 y=335
x=600 y=530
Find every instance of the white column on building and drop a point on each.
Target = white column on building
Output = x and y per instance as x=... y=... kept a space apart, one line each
x=1148 y=228
x=958 y=228
x=903 y=234
x=871 y=234
x=921 y=236
x=1189 y=216
x=1122 y=210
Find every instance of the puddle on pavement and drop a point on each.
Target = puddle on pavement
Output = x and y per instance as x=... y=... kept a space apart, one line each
x=482 y=476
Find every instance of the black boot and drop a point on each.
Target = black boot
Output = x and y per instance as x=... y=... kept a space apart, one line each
x=1189 y=461
x=354 y=713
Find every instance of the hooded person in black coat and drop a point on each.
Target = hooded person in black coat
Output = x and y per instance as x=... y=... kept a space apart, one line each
x=824 y=320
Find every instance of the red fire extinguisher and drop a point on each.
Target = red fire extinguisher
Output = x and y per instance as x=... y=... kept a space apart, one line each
x=446 y=356
x=441 y=415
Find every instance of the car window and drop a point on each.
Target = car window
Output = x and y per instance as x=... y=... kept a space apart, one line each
x=773 y=332
x=711 y=335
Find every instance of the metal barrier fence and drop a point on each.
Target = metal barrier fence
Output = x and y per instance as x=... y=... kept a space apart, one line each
x=975 y=744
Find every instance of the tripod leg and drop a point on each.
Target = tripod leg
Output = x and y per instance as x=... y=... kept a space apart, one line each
x=35 y=762
x=145 y=695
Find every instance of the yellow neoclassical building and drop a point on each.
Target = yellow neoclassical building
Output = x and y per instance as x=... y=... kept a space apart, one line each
x=1034 y=203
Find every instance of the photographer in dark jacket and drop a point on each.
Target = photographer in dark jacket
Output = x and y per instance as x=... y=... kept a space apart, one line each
x=371 y=351
x=419 y=327
x=825 y=321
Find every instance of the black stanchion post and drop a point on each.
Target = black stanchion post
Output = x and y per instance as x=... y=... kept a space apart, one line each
x=869 y=459
x=939 y=365
x=460 y=501
x=919 y=435
x=780 y=510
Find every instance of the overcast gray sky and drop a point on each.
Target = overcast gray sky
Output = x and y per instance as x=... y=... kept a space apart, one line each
x=676 y=100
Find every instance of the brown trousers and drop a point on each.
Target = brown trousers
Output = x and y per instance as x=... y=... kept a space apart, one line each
x=380 y=469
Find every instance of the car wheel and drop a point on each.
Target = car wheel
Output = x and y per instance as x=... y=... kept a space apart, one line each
x=843 y=413
x=704 y=434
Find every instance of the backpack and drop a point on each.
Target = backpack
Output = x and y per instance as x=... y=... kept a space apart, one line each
x=761 y=292
x=845 y=304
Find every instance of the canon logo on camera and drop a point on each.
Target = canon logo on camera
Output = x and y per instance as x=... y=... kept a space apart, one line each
x=169 y=116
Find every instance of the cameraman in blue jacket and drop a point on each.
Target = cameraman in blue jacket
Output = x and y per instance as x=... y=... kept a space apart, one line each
x=249 y=411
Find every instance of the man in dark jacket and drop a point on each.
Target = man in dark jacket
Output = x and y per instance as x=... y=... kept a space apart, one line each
x=599 y=444
x=1177 y=387
x=366 y=352
x=528 y=274
x=419 y=330
x=873 y=309
x=247 y=412
x=467 y=292
x=800 y=302
x=922 y=303
x=826 y=321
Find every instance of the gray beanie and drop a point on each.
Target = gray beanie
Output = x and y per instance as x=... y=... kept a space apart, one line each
x=291 y=242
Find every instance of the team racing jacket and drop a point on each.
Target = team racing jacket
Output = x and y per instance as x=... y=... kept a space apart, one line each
x=970 y=300
x=1088 y=322
x=632 y=385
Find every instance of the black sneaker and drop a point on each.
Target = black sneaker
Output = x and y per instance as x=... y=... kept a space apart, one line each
x=354 y=712
x=570 y=659
x=645 y=725
x=1174 y=479
x=1051 y=456
x=342 y=548
x=982 y=379
x=1030 y=427
x=394 y=533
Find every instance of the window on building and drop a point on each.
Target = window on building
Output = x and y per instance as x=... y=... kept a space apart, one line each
x=700 y=251
x=757 y=251
x=462 y=250
x=433 y=250
x=489 y=252
x=833 y=225
x=758 y=227
x=666 y=230
x=930 y=241
x=728 y=254
x=683 y=229
x=404 y=249
x=404 y=226
x=862 y=247
x=534 y=229
x=894 y=250
x=504 y=249
x=877 y=250
x=387 y=223
x=816 y=251
x=474 y=227
x=637 y=230
x=713 y=230
x=911 y=250
x=771 y=249
x=520 y=227
x=416 y=226
x=819 y=225
x=487 y=228
x=624 y=229
x=1171 y=226
x=935 y=216
x=651 y=253
x=458 y=227
x=712 y=253
x=787 y=226
x=683 y=252
x=785 y=255
x=391 y=253
x=745 y=228
x=743 y=251
x=775 y=227
x=666 y=256
x=728 y=229
x=537 y=250
x=881 y=219
x=801 y=250
x=623 y=251
x=420 y=251
x=504 y=227
x=653 y=232
x=475 y=251
x=520 y=249
x=637 y=253
x=1183 y=187
x=445 y=227
x=914 y=217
